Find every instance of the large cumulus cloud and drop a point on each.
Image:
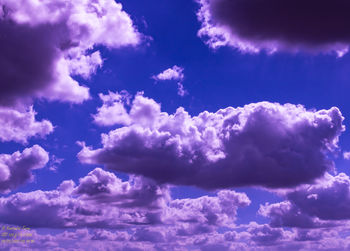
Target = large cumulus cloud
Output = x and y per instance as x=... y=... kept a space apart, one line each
x=263 y=144
x=292 y=25
x=45 y=43
x=16 y=169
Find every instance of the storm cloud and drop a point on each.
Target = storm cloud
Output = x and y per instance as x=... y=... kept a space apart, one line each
x=273 y=25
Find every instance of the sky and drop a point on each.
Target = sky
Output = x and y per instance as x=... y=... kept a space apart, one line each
x=174 y=125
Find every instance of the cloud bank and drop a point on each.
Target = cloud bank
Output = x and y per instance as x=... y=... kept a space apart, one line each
x=293 y=25
x=102 y=200
x=263 y=144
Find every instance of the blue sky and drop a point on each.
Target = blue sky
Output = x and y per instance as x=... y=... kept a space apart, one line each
x=215 y=78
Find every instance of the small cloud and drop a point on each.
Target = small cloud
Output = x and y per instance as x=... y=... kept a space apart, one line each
x=346 y=155
x=54 y=163
x=174 y=73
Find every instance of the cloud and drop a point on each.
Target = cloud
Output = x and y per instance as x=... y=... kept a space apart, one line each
x=252 y=236
x=47 y=44
x=262 y=144
x=346 y=155
x=101 y=200
x=325 y=203
x=19 y=126
x=265 y=235
x=253 y=25
x=174 y=73
x=286 y=214
x=16 y=169
x=201 y=214
x=113 y=111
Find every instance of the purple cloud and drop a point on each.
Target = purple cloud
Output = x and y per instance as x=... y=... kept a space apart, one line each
x=16 y=169
x=250 y=237
x=19 y=126
x=253 y=25
x=115 y=105
x=265 y=235
x=173 y=73
x=286 y=214
x=323 y=204
x=101 y=200
x=328 y=201
x=48 y=43
x=113 y=111
x=206 y=212
x=263 y=144
x=346 y=155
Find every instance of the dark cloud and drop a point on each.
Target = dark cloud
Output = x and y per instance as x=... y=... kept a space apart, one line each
x=28 y=59
x=262 y=144
x=328 y=201
x=273 y=24
x=324 y=204
x=286 y=214
x=44 y=45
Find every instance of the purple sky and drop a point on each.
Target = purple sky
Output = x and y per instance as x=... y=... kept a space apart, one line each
x=174 y=125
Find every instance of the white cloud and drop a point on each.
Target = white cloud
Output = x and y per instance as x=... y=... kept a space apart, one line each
x=20 y=125
x=174 y=73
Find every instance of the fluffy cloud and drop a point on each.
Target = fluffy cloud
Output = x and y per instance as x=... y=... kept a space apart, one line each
x=19 y=126
x=346 y=155
x=251 y=237
x=202 y=214
x=113 y=111
x=115 y=105
x=16 y=169
x=101 y=200
x=47 y=42
x=253 y=25
x=262 y=144
x=248 y=237
x=174 y=73
x=325 y=203
x=286 y=214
